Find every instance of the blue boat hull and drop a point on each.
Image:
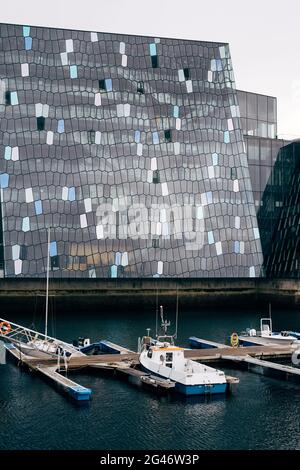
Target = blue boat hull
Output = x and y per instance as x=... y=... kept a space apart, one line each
x=201 y=389
x=187 y=390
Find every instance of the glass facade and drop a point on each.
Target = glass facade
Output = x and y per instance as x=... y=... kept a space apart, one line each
x=109 y=140
x=279 y=216
x=258 y=114
x=262 y=154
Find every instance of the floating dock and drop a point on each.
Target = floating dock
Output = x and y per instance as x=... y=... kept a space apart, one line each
x=267 y=368
x=72 y=389
x=250 y=357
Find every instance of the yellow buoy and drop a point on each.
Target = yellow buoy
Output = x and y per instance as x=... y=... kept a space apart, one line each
x=234 y=340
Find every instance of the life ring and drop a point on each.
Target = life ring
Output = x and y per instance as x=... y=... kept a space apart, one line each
x=5 y=327
x=234 y=340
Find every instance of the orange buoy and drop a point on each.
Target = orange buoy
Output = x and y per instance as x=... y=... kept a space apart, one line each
x=5 y=327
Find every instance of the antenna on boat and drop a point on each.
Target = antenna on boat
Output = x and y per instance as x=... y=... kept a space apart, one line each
x=176 y=324
x=164 y=323
x=156 y=314
x=47 y=283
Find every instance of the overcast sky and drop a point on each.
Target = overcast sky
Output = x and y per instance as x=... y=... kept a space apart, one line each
x=264 y=35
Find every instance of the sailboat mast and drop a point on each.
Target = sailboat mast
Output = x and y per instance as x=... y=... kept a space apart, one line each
x=47 y=284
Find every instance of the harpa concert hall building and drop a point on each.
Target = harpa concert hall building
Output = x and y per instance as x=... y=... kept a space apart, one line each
x=142 y=157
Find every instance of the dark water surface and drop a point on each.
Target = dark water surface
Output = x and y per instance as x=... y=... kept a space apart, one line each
x=261 y=413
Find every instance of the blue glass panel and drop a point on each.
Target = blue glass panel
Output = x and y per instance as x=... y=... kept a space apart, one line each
x=61 y=126
x=215 y=158
x=237 y=247
x=4 y=180
x=155 y=138
x=25 y=224
x=73 y=71
x=26 y=31
x=152 y=47
x=219 y=65
x=211 y=238
x=209 y=197
x=28 y=43
x=7 y=153
x=176 y=111
x=114 y=271
x=72 y=194
x=14 y=98
x=118 y=258
x=108 y=84
x=38 y=207
x=226 y=137
x=137 y=137
x=53 y=249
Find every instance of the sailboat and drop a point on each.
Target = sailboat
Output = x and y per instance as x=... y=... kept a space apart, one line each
x=162 y=358
x=33 y=343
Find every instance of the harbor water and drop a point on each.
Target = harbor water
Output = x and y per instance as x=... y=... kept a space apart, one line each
x=260 y=413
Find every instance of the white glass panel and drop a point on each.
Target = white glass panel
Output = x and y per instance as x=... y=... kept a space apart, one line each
x=15 y=154
x=45 y=111
x=65 y=193
x=219 y=248
x=139 y=149
x=164 y=189
x=124 y=60
x=126 y=110
x=189 y=86
x=211 y=172
x=15 y=252
x=24 y=70
x=160 y=267
x=39 y=109
x=153 y=164
x=98 y=137
x=88 y=205
x=83 y=221
x=64 y=58
x=25 y=224
x=94 y=37
x=150 y=176
x=50 y=137
x=176 y=148
x=18 y=267
x=69 y=45
x=124 y=261
x=237 y=222
x=122 y=48
x=236 y=186
x=181 y=75
x=99 y=232
x=97 y=99
x=252 y=271
x=28 y=195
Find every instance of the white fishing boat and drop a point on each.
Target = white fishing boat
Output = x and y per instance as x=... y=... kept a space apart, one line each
x=162 y=358
x=266 y=335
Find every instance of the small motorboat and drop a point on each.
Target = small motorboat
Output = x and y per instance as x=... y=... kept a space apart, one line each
x=162 y=358
x=266 y=336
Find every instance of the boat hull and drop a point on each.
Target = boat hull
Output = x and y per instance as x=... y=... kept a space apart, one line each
x=201 y=389
x=212 y=389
